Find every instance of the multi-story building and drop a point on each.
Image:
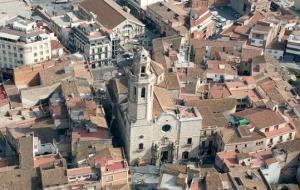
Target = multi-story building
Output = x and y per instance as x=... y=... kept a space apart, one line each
x=113 y=18
x=22 y=43
x=202 y=25
x=293 y=43
x=218 y=71
x=168 y=18
x=256 y=129
x=245 y=7
x=153 y=128
x=262 y=34
x=93 y=43
x=61 y=25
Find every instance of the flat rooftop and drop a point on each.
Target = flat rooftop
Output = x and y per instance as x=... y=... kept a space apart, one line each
x=14 y=8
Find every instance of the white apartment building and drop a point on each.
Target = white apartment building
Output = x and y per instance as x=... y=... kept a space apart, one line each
x=22 y=43
x=94 y=43
x=293 y=43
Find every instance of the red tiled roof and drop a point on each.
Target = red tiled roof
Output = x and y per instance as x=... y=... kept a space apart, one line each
x=219 y=92
x=115 y=166
x=82 y=134
x=201 y=19
x=258 y=158
x=44 y=160
x=79 y=171
x=261 y=118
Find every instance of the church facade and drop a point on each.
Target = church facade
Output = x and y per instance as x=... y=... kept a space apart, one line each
x=153 y=128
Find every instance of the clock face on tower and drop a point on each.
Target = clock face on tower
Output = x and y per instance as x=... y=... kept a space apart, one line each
x=166 y=128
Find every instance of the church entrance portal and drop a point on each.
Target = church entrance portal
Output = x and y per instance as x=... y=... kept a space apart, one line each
x=164 y=156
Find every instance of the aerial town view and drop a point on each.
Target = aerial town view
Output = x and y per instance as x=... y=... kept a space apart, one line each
x=149 y=94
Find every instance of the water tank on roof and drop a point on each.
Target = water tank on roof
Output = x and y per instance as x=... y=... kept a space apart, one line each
x=243 y=121
x=221 y=66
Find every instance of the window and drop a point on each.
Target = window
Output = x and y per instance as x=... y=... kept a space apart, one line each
x=35 y=54
x=276 y=127
x=290 y=135
x=143 y=94
x=166 y=128
x=203 y=143
x=266 y=130
x=245 y=7
x=141 y=146
x=143 y=69
x=189 y=141
x=185 y=155
x=134 y=91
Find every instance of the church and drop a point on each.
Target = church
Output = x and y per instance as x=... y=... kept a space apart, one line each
x=154 y=129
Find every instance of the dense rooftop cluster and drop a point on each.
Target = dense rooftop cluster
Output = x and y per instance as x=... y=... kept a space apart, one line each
x=150 y=94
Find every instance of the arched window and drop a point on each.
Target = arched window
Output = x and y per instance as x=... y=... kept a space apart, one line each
x=143 y=94
x=141 y=146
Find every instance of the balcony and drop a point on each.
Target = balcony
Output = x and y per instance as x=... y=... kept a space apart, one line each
x=187 y=145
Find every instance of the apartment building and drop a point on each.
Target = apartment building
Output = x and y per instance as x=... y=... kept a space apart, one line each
x=22 y=43
x=256 y=129
x=61 y=25
x=202 y=25
x=168 y=18
x=93 y=43
x=218 y=71
x=262 y=34
x=293 y=43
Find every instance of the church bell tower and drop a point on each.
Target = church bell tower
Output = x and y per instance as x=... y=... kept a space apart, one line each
x=141 y=82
